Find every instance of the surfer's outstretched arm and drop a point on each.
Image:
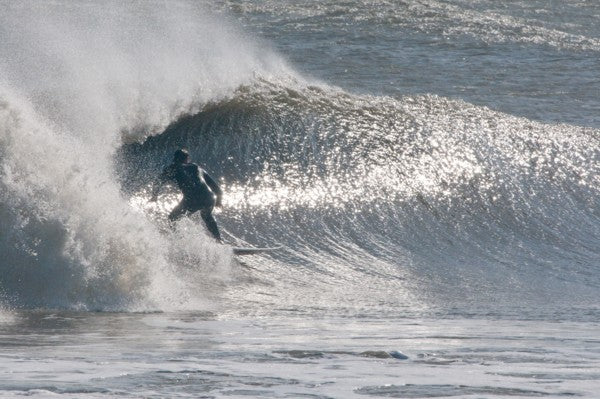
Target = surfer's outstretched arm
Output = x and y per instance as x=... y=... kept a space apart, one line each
x=214 y=187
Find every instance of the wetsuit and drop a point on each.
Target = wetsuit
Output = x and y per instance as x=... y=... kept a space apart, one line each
x=200 y=193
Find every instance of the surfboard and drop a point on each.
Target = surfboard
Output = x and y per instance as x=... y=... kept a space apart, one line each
x=252 y=250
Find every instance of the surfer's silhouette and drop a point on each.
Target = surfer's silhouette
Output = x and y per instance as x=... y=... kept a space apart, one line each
x=200 y=191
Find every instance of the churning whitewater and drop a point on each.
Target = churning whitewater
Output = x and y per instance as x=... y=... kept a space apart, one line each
x=74 y=88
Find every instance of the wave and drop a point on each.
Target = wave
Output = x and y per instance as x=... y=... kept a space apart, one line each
x=483 y=21
x=432 y=194
x=402 y=202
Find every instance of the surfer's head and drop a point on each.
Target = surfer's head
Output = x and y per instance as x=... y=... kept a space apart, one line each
x=181 y=156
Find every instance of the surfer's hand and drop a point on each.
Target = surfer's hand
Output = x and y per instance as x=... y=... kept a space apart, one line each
x=154 y=198
x=219 y=203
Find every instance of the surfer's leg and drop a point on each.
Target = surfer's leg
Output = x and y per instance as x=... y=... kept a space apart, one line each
x=178 y=212
x=211 y=223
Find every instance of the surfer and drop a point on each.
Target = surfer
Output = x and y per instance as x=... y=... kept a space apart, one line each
x=200 y=191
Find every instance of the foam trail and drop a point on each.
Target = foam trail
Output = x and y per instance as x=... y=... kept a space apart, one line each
x=76 y=80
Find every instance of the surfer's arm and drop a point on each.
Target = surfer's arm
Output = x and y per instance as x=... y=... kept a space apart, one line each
x=214 y=187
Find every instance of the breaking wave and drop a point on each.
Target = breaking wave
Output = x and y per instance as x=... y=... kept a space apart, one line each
x=418 y=194
x=398 y=203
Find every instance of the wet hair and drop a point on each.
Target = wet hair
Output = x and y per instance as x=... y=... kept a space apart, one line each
x=181 y=155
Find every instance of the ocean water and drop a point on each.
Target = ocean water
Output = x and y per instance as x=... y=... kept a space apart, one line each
x=431 y=170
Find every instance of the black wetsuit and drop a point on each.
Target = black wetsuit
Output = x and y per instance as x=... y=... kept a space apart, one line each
x=200 y=193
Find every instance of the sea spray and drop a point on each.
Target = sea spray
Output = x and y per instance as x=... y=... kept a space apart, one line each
x=102 y=69
x=77 y=80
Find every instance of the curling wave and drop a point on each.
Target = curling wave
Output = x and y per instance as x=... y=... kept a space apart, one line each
x=392 y=202
x=442 y=195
